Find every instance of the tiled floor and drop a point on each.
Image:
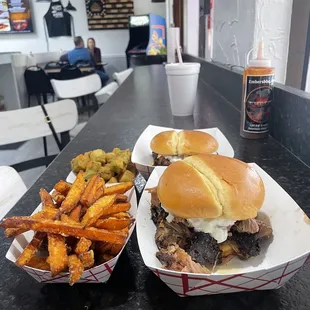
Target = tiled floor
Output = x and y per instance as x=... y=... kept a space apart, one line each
x=12 y=154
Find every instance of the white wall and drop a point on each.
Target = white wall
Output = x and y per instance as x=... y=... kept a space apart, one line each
x=273 y=23
x=111 y=42
x=234 y=22
x=146 y=6
x=238 y=27
x=240 y=24
x=191 y=26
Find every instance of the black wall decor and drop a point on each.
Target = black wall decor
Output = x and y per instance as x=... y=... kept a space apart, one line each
x=58 y=21
x=108 y=14
x=70 y=7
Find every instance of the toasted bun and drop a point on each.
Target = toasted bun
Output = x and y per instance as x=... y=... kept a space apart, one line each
x=186 y=142
x=196 y=142
x=211 y=186
x=165 y=143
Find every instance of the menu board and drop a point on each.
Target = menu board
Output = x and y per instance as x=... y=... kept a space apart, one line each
x=15 y=16
x=108 y=14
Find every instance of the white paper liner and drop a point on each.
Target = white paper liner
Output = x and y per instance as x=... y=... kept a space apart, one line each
x=97 y=274
x=142 y=153
x=71 y=177
x=276 y=264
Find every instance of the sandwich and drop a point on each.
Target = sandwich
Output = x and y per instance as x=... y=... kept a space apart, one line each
x=205 y=209
x=170 y=146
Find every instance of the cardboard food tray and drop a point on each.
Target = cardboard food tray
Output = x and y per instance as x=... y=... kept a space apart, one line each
x=142 y=153
x=98 y=274
x=279 y=260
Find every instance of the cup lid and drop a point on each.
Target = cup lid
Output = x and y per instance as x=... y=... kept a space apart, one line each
x=185 y=65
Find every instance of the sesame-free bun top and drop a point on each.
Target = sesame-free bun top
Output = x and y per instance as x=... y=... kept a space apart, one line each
x=211 y=186
x=186 y=142
x=165 y=143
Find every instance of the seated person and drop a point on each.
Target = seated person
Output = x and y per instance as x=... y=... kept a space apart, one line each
x=80 y=53
x=96 y=53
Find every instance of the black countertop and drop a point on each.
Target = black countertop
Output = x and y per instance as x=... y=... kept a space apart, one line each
x=140 y=101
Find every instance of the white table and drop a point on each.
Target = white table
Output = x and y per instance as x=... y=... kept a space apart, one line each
x=12 y=188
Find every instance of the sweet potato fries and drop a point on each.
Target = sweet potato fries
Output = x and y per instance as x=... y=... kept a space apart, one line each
x=81 y=225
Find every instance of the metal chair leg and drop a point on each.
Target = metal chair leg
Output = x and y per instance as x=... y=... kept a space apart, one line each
x=83 y=101
x=95 y=102
x=88 y=105
x=44 y=95
x=39 y=99
x=45 y=147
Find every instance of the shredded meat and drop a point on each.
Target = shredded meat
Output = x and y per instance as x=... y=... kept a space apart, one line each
x=247 y=245
x=154 y=155
x=204 y=249
x=173 y=233
x=180 y=220
x=155 y=202
x=160 y=160
x=247 y=226
x=175 y=258
x=158 y=213
x=247 y=236
x=265 y=231
x=229 y=250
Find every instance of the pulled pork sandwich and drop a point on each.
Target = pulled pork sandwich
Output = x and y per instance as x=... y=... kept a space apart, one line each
x=205 y=209
x=170 y=146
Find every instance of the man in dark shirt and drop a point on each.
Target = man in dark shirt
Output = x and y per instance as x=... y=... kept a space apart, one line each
x=82 y=54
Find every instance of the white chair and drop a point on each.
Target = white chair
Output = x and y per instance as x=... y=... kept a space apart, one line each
x=120 y=77
x=78 y=88
x=106 y=92
x=30 y=123
x=67 y=89
x=12 y=188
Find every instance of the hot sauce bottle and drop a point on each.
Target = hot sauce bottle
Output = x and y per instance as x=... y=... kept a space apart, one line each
x=258 y=80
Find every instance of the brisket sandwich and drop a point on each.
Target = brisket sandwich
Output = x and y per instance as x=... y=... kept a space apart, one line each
x=170 y=146
x=205 y=209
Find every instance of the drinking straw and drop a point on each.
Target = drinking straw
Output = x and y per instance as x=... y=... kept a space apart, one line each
x=178 y=49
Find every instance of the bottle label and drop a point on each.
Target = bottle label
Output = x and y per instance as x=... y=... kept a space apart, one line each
x=258 y=97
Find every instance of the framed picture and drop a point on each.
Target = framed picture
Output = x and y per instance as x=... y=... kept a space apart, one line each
x=108 y=14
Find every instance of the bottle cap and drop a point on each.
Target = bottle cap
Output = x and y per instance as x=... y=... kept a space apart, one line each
x=260 y=61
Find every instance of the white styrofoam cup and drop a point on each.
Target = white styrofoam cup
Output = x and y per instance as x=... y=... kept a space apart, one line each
x=182 y=84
